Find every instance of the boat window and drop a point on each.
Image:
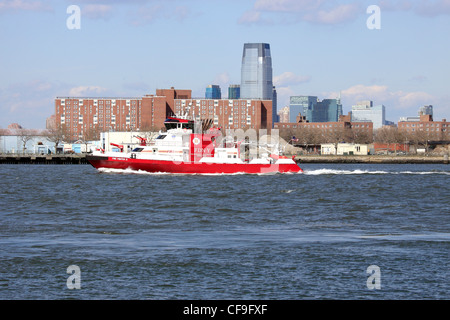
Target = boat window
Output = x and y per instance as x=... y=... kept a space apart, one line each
x=138 y=149
x=162 y=136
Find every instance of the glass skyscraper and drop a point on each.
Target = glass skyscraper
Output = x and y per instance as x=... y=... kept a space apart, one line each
x=256 y=72
x=303 y=105
x=366 y=111
x=234 y=91
x=327 y=110
x=213 y=92
x=426 y=110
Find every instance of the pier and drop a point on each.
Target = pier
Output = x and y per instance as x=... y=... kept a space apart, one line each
x=43 y=159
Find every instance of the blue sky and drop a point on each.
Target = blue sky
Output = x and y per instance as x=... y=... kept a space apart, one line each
x=130 y=48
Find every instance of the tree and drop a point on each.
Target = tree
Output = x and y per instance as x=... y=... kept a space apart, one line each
x=337 y=135
x=420 y=138
x=25 y=135
x=390 y=135
x=57 y=134
x=90 y=134
x=3 y=132
x=362 y=136
x=148 y=131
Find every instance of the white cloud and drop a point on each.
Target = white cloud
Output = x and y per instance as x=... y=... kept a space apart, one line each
x=433 y=8
x=383 y=95
x=284 y=83
x=315 y=11
x=86 y=91
x=428 y=8
x=289 y=78
x=23 y=5
x=283 y=96
x=27 y=103
x=362 y=92
x=339 y=14
x=287 y=5
x=250 y=17
x=222 y=79
x=411 y=99
x=96 y=11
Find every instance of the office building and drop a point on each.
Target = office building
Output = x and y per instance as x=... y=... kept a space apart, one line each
x=438 y=130
x=283 y=115
x=301 y=105
x=234 y=91
x=256 y=72
x=274 y=106
x=366 y=111
x=213 y=92
x=426 y=110
x=314 y=110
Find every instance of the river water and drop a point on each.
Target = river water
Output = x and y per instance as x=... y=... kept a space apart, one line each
x=353 y=231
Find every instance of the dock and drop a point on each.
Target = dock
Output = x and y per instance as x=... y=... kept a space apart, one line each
x=43 y=159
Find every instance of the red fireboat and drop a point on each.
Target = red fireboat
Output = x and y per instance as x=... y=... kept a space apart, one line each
x=180 y=150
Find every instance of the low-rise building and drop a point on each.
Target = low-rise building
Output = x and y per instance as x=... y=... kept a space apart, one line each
x=436 y=130
x=344 y=149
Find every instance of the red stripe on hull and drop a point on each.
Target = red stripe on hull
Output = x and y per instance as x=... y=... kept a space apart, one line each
x=189 y=167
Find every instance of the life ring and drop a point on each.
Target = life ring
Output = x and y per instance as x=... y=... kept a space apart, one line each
x=196 y=141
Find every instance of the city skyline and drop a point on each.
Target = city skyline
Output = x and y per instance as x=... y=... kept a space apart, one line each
x=131 y=48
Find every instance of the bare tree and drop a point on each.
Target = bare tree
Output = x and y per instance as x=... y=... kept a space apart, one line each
x=338 y=135
x=25 y=135
x=362 y=136
x=422 y=138
x=57 y=134
x=90 y=134
x=3 y=132
x=390 y=135
x=287 y=134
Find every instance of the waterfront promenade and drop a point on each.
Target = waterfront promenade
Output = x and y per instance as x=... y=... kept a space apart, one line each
x=382 y=159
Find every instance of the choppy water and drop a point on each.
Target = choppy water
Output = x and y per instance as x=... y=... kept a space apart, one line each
x=277 y=236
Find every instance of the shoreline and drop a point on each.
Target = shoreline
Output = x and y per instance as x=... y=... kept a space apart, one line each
x=369 y=159
x=43 y=159
x=374 y=159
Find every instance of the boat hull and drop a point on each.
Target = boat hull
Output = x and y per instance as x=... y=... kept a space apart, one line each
x=188 y=167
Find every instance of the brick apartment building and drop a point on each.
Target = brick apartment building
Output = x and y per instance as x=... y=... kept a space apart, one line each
x=364 y=127
x=148 y=113
x=438 y=130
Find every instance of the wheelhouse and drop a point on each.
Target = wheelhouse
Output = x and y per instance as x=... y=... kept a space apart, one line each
x=176 y=123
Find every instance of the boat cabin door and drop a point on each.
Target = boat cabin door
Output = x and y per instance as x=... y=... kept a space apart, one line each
x=186 y=155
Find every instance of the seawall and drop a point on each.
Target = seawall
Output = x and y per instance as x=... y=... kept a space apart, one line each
x=381 y=159
x=43 y=159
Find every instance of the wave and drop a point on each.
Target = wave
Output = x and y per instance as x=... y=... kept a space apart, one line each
x=423 y=237
x=129 y=171
x=358 y=171
x=340 y=172
x=305 y=172
x=142 y=172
